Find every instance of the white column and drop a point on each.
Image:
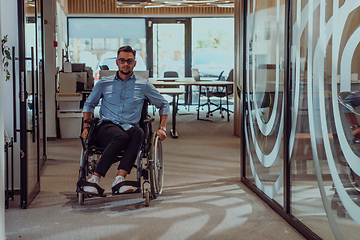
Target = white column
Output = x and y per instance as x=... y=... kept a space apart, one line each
x=50 y=67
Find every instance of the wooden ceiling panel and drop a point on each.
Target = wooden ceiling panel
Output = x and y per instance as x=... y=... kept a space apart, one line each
x=155 y=7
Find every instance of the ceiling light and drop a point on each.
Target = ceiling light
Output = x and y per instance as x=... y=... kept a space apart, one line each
x=226 y=5
x=205 y=1
x=131 y=1
x=154 y=6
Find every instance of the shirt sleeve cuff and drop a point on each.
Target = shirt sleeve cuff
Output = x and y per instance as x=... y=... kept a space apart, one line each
x=164 y=111
x=88 y=109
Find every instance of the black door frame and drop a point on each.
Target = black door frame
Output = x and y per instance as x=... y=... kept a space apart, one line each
x=26 y=196
x=40 y=68
x=149 y=41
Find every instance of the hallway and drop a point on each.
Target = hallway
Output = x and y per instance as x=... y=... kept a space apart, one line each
x=203 y=197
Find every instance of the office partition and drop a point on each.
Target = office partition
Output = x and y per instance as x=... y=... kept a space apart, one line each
x=300 y=112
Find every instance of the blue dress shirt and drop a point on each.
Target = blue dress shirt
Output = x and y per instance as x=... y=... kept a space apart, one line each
x=122 y=101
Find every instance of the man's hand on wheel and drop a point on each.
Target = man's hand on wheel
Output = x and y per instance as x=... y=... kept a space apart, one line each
x=85 y=133
x=161 y=133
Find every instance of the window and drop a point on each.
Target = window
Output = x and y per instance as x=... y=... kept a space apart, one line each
x=95 y=41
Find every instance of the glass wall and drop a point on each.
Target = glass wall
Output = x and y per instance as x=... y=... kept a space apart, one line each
x=94 y=41
x=308 y=53
x=264 y=96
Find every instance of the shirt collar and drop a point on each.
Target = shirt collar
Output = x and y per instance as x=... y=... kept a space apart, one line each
x=126 y=79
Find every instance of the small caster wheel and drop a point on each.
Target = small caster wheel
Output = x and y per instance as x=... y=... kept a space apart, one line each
x=341 y=212
x=222 y=116
x=211 y=114
x=147 y=198
x=207 y=115
x=81 y=197
x=334 y=205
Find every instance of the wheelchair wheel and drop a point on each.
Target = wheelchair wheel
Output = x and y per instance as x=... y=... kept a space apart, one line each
x=156 y=167
x=147 y=198
x=152 y=179
x=82 y=175
x=81 y=197
x=83 y=161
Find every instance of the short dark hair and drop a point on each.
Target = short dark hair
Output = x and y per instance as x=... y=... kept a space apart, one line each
x=126 y=49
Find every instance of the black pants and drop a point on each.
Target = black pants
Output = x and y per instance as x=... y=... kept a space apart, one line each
x=115 y=139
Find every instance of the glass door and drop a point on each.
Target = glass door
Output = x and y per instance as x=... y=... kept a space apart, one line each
x=40 y=79
x=264 y=97
x=29 y=102
x=169 y=49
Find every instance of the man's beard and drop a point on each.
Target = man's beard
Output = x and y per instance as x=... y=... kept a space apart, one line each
x=125 y=73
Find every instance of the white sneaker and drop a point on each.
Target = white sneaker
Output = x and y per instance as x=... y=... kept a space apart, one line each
x=125 y=188
x=91 y=189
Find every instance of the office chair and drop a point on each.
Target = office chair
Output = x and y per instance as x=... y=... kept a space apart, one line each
x=171 y=74
x=219 y=92
x=196 y=76
x=104 y=67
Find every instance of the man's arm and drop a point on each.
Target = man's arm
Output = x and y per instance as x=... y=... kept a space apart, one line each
x=160 y=102
x=160 y=132
x=86 y=126
x=89 y=106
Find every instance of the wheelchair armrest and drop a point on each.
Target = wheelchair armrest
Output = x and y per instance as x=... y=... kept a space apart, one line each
x=92 y=121
x=148 y=120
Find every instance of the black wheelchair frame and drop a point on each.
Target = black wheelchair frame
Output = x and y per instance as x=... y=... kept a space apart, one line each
x=149 y=174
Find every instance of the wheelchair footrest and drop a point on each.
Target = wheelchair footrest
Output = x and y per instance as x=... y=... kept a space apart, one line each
x=115 y=189
x=82 y=183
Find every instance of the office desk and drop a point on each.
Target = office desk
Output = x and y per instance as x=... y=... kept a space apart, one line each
x=186 y=79
x=192 y=82
x=174 y=82
x=173 y=92
x=187 y=83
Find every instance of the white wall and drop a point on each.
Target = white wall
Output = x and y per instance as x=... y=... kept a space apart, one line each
x=8 y=26
x=61 y=33
x=2 y=165
x=55 y=31
x=50 y=68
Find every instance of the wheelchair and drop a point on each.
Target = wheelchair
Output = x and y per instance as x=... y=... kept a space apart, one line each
x=150 y=172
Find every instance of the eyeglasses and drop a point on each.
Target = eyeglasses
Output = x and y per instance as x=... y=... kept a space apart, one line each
x=129 y=61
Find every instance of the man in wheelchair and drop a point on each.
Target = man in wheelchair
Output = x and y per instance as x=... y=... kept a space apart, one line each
x=350 y=102
x=122 y=98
